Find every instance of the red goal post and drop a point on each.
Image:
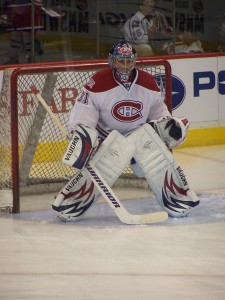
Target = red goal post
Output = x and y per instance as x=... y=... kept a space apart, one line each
x=31 y=145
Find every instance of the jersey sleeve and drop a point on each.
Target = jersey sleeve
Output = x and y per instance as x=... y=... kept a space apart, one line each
x=147 y=81
x=87 y=106
x=84 y=111
x=159 y=108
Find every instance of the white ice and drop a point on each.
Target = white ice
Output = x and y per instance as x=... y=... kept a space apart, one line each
x=100 y=258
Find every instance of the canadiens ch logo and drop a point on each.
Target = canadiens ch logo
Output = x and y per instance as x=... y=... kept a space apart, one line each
x=127 y=111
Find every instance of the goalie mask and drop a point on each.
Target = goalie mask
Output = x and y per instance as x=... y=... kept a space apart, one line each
x=122 y=59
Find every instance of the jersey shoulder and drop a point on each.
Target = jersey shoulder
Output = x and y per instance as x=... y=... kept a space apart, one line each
x=102 y=81
x=146 y=80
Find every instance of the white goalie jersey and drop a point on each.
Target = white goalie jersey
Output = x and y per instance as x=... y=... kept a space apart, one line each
x=106 y=104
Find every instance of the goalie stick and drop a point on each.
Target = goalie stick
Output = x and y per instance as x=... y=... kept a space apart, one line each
x=105 y=190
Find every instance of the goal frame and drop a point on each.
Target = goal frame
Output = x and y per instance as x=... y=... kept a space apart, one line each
x=57 y=67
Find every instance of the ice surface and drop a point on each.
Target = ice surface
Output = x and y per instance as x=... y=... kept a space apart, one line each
x=210 y=209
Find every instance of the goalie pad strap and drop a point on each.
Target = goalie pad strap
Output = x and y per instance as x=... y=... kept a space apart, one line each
x=79 y=193
x=163 y=174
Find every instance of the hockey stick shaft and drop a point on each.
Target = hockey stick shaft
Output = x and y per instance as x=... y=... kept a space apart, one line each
x=52 y=115
x=116 y=205
x=105 y=190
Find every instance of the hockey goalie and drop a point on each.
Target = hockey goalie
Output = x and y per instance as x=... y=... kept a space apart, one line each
x=119 y=118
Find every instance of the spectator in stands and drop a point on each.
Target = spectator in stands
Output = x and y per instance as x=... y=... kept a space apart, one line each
x=3 y=23
x=19 y=18
x=221 y=42
x=186 y=42
x=146 y=28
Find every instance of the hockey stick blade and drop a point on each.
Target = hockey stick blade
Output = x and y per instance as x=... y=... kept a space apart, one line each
x=123 y=215
x=117 y=207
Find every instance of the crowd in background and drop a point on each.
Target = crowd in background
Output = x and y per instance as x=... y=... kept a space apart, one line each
x=148 y=30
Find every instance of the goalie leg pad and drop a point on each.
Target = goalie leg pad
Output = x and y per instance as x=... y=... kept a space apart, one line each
x=113 y=156
x=164 y=175
x=82 y=145
x=77 y=196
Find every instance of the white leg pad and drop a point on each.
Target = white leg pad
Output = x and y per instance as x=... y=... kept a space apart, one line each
x=164 y=175
x=80 y=193
x=113 y=156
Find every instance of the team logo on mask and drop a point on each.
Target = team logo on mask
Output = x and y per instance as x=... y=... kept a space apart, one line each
x=127 y=111
x=124 y=50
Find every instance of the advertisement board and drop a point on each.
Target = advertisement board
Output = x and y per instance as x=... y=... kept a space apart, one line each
x=221 y=89
x=195 y=90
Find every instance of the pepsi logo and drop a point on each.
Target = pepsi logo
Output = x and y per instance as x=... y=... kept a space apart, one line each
x=178 y=92
x=178 y=89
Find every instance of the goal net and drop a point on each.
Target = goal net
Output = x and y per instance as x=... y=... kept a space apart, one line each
x=31 y=145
